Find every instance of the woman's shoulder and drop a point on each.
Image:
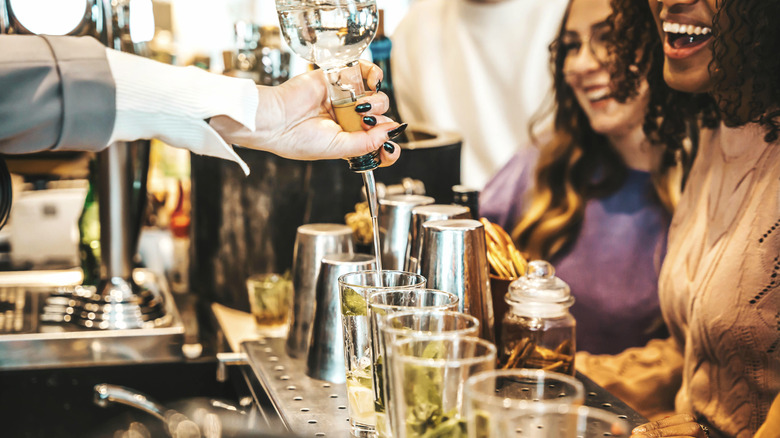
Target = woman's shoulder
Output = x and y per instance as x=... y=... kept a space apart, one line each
x=517 y=170
x=501 y=198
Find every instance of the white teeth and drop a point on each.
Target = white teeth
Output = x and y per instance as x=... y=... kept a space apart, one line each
x=688 y=29
x=597 y=94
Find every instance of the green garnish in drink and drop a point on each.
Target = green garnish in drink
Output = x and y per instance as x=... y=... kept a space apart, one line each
x=424 y=405
x=352 y=303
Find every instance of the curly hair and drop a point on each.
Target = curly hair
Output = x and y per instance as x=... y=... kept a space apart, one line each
x=745 y=65
x=745 y=68
x=579 y=164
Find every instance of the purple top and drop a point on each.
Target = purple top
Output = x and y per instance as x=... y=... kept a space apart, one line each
x=612 y=267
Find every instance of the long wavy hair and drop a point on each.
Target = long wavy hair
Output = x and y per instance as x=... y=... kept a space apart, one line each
x=745 y=67
x=579 y=164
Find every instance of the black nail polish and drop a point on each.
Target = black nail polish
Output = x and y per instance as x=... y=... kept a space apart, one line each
x=363 y=107
x=369 y=120
x=397 y=131
x=378 y=86
x=389 y=148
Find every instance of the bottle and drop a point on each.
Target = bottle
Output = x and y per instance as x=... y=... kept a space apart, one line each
x=538 y=331
x=180 y=228
x=380 y=49
x=89 y=230
x=463 y=195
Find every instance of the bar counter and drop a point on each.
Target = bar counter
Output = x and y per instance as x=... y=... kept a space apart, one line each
x=296 y=403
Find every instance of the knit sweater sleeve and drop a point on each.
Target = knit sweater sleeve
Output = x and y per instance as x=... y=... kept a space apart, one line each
x=646 y=378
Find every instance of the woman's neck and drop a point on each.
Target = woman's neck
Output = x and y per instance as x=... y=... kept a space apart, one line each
x=743 y=142
x=634 y=148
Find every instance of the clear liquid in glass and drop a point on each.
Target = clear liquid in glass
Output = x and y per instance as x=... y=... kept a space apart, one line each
x=329 y=33
x=360 y=390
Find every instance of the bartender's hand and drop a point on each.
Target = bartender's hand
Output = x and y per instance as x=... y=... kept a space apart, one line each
x=296 y=120
x=681 y=425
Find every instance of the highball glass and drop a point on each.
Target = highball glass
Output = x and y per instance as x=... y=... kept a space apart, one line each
x=354 y=290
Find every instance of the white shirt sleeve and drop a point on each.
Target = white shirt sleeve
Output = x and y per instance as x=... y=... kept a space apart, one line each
x=156 y=100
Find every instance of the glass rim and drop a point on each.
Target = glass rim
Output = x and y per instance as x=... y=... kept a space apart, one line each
x=490 y=355
x=388 y=291
x=344 y=279
x=405 y=332
x=580 y=411
x=476 y=387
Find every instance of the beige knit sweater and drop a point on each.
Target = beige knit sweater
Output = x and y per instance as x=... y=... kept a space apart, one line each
x=719 y=294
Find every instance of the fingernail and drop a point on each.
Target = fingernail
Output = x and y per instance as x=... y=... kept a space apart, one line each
x=639 y=429
x=363 y=107
x=369 y=120
x=397 y=131
x=389 y=148
x=378 y=85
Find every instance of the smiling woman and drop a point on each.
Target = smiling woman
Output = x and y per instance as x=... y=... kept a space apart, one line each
x=594 y=199
x=686 y=51
x=718 y=285
x=732 y=66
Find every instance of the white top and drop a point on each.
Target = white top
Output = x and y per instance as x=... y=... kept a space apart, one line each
x=156 y=100
x=480 y=69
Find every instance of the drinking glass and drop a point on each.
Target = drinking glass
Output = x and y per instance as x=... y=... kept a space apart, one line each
x=354 y=290
x=414 y=323
x=270 y=296
x=495 y=398
x=387 y=302
x=428 y=377
x=545 y=420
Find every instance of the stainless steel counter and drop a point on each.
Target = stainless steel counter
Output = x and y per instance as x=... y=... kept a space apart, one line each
x=306 y=407
x=314 y=408
x=28 y=342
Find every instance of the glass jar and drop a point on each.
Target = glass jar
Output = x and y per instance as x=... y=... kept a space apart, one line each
x=538 y=331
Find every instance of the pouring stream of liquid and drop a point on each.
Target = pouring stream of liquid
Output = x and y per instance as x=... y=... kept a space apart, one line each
x=373 y=208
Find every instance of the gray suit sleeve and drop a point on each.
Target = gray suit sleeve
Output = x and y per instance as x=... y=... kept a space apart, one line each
x=56 y=93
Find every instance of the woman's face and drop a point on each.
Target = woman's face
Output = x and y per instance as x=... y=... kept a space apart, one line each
x=685 y=27
x=584 y=41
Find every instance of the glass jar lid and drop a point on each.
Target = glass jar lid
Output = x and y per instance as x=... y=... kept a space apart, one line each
x=540 y=286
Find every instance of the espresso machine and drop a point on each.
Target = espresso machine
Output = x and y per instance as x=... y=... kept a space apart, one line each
x=129 y=313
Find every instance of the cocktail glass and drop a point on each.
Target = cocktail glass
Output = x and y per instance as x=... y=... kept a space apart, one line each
x=427 y=383
x=500 y=401
x=382 y=304
x=415 y=323
x=354 y=290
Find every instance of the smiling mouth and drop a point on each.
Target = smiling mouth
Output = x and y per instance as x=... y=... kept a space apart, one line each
x=686 y=36
x=598 y=94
